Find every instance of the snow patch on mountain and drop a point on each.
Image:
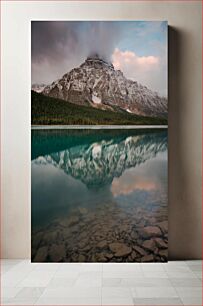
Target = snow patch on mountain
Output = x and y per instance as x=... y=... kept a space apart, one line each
x=96 y=99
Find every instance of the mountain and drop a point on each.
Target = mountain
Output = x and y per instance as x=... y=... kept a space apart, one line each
x=38 y=87
x=97 y=163
x=96 y=83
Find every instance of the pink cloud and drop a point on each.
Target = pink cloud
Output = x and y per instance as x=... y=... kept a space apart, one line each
x=120 y=186
x=147 y=70
x=120 y=59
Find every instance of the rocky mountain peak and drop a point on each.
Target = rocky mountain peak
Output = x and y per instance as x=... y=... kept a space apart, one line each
x=96 y=83
x=96 y=59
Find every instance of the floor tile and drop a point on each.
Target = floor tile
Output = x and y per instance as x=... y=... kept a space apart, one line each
x=9 y=292
x=179 y=274
x=153 y=292
x=151 y=267
x=48 y=267
x=21 y=301
x=117 y=301
x=192 y=301
x=69 y=270
x=88 y=282
x=193 y=262
x=147 y=282
x=189 y=291
x=91 y=267
x=123 y=268
x=73 y=292
x=113 y=282
x=4 y=301
x=69 y=301
x=13 y=262
x=196 y=268
x=70 y=267
x=6 y=268
x=64 y=274
x=28 y=292
x=15 y=275
x=122 y=274
x=158 y=301
x=185 y=282
x=37 y=279
x=90 y=274
x=59 y=282
x=176 y=263
x=198 y=274
x=177 y=268
x=158 y=274
x=115 y=292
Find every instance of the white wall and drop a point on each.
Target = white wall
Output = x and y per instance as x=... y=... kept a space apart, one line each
x=184 y=112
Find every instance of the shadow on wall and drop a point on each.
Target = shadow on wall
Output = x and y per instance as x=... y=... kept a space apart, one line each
x=184 y=219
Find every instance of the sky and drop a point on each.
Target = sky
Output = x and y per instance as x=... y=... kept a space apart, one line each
x=137 y=48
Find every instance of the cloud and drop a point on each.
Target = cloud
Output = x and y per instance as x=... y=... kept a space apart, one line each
x=59 y=46
x=121 y=187
x=148 y=176
x=147 y=70
x=126 y=58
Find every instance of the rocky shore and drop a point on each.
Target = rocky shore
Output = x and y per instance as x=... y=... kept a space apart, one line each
x=108 y=233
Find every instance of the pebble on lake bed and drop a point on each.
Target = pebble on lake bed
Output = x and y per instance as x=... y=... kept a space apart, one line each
x=57 y=252
x=120 y=249
x=41 y=254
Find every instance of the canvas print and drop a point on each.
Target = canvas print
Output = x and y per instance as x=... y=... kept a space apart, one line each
x=99 y=113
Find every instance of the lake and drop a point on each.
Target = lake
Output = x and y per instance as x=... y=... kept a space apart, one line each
x=99 y=195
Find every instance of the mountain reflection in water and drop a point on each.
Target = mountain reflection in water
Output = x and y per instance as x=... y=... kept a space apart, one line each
x=113 y=183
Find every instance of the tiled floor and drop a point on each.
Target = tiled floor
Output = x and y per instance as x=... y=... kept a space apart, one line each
x=174 y=283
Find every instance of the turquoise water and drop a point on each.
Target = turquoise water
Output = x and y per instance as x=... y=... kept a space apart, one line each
x=99 y=195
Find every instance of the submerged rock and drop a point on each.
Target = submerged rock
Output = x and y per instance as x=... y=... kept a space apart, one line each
x=37 y=239
x=134 y=255
x=74 y=257
x=83 y=210
x=72 y=221
x=139 y=250
x=160 y=243
x=163 y=226
x=87 y=248
x=147 y=258
x=164 y=253
x=150 y=231
x=149 y=244
x=83 y=244
x=108 y=255
x=69 y=222
x=134 y=235
x=101 y=257
x=81 y=258
x=41 y=254
x=50 y=237
x=57 y=252
x=120 y=249
x=102 y=244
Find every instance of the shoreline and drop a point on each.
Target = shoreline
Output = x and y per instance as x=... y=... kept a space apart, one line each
x=96 y=127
